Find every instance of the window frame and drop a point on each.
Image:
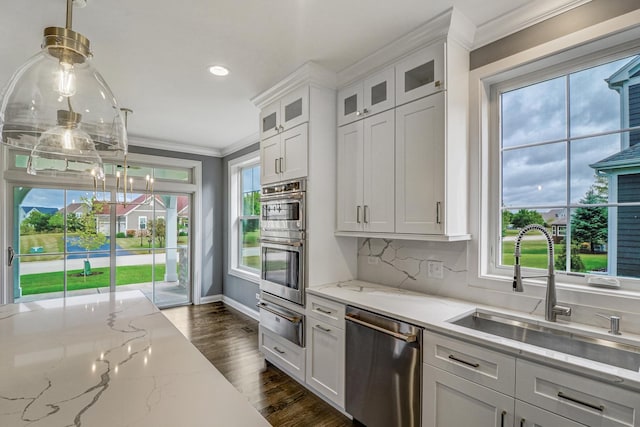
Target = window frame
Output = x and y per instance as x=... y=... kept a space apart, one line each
x=235 y=168
x=537 y=70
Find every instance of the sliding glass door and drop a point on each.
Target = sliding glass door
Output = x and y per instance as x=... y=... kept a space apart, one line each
x=67 y=243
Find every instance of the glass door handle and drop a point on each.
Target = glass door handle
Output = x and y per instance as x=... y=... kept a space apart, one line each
x=10 y=254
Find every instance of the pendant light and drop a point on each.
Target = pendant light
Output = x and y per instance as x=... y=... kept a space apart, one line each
x=59 y=109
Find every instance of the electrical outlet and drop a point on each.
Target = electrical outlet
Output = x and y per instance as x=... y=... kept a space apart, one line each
x=373 y=260
x=435 y=269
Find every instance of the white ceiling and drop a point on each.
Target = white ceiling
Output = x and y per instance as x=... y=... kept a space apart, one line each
x=154 y=54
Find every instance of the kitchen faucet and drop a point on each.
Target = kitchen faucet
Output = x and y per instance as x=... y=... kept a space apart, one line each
x=551 y=308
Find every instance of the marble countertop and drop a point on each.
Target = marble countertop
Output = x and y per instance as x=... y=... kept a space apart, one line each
x=108 y=360
x=435 y=313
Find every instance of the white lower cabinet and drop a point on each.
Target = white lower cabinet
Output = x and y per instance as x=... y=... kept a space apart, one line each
x=532 y=416
x=451 y=401
x=282 y=353
x=325 y=338
x=325 y=360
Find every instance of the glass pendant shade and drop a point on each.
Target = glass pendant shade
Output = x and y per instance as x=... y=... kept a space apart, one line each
x=61 y=78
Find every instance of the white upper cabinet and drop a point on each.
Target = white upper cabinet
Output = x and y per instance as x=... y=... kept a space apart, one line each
x=421 y=74
x=284 y=156
x=286 y=113
x=420 y=165
x=365 y=98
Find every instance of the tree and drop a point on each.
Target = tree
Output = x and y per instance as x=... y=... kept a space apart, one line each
x=524 y=217
x=590 y=224
x=38 y=221
x=56 y=222
x=73 y=222
x=576 y=261
x=158 y=230
x=507 y=217
x=90 y=238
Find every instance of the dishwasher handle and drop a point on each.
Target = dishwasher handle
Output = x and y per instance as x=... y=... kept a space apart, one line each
x=406 y=338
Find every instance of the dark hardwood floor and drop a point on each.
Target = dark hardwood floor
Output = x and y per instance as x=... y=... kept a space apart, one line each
x=229 y=339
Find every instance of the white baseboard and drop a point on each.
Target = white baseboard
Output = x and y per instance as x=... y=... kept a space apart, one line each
x=254 y=314
x=210 y=298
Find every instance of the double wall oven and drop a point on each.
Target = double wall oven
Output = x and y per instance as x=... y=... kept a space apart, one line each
x=282 y=243
x=282 y=223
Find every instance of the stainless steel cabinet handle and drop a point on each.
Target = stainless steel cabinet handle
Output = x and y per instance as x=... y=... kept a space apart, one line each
x=10 y=254
x=366 y=217
x=276 y=165
x=464 y=362
x=358 y=214
x=321 y=310
x=438 y=212
x=522 y=421
x=278 y=350
x=580 y=402
x=322 y=328
x=502 y=415
x=281 y=168
x=437 y=83
x=407 y=338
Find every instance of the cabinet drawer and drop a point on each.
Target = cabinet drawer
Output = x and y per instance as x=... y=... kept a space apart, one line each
x=580 y=399
x=282 y=353
x=328 y=311
x=478 y=364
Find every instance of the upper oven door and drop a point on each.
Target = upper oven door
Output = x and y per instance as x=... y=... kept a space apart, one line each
x=283 y=212
x=283 y=269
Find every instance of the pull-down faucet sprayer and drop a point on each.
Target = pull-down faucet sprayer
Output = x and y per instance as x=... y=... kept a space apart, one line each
x=551 y=307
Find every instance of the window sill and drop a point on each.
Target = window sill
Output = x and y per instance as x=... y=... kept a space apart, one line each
x=245 y=275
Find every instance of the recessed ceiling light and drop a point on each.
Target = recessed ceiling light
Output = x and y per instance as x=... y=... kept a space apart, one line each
x=218 y=70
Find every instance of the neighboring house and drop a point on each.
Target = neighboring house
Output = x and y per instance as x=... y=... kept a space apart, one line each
x=557 y=220
x=137 y=213
x=26 y=211
x=623 y=172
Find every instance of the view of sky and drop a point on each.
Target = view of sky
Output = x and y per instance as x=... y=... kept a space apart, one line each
x=536 y=176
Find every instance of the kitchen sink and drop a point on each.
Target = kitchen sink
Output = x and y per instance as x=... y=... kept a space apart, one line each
x=601 y=350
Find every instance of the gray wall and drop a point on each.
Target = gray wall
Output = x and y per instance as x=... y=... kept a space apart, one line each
x=211 y=233
x=234 y=287
x=569 y=22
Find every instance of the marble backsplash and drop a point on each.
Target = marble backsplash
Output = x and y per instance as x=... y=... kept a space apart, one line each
x=404 y=263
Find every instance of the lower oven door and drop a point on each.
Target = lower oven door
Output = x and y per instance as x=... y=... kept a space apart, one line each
x=287 y=324
x=283 y=269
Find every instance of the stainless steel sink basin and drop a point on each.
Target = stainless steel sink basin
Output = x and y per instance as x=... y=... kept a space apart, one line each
x=597 y=349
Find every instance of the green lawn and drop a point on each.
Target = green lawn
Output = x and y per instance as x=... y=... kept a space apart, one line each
x=534 y=254
x=51 y=282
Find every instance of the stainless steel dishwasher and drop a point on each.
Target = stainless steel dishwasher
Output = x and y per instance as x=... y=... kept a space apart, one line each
x=383 y=370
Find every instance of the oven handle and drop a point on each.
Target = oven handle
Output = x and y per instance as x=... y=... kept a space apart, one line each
x=283 y=242
x=406 y=338
x=292 y=319
x=282 y=197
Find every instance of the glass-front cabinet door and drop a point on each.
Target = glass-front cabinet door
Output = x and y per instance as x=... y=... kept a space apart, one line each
x=350 y=104
x=294 y=108
x=379 y=92
x=421 y=74
x=269 y=120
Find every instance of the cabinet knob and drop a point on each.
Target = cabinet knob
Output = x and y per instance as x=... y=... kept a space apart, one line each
x=358 y=113
x=365 y=111
x=437 y=83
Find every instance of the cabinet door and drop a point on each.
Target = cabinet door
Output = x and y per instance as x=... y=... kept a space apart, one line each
x=325 y=360
x=420 y=74
x=294 y=108
x=450 y=401
x=269 y=120
x=379 y=92
x=350 y=175
x=420 y=166
x=379 y=173
x=270 y=160
x=532 y=416
x=350 y=104
x=294 y=152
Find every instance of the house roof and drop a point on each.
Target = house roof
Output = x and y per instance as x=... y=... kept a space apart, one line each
x=555 y=216
x=629 y=70
x=44 y=210
x=182 y=205
x=623 y=159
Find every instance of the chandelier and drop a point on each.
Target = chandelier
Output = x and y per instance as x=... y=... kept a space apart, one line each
x=59 y=109
x=122 y=182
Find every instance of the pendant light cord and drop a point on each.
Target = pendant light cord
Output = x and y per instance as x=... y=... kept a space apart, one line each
x=69 y=14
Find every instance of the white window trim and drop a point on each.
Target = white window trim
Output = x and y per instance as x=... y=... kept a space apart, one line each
x=609 y=40
x=235 y=166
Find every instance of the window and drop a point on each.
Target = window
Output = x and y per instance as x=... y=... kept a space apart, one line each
x=244 y=217
x=142 y=223
x=569 y=152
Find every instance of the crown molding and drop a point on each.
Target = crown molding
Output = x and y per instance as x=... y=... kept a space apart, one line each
x=308 y=73
x=158 y=144
x=451 y=24
x=239 y=145
x=518 y=19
